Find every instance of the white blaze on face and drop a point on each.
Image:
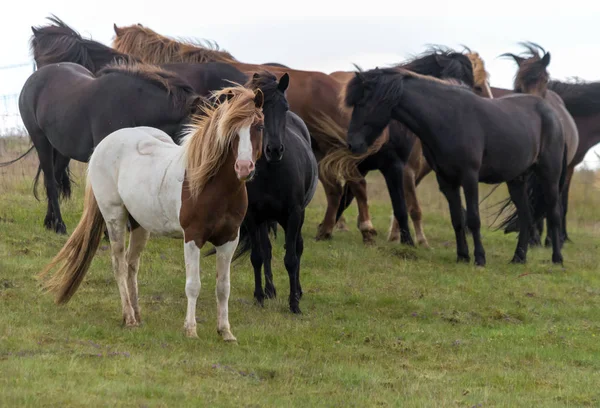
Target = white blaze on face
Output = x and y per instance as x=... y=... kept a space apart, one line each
x=244 y=164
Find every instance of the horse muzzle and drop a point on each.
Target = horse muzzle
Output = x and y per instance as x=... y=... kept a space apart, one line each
x=244 y=169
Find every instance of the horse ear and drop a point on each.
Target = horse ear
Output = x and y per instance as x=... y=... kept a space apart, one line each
x=359 y=76
x=259 y=98
x=284 y=82
x=518 y=60
x=195 y=103
x=256 y=75
x=118 y=31
x=34 y=30
x=546 y=59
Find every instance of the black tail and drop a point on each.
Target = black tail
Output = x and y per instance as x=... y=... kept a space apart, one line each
x=63 y=183
x=347 y=198
x=535 y=194
x=245 y=244
x=8 y=163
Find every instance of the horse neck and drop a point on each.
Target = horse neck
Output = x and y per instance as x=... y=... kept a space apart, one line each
x=418 y=104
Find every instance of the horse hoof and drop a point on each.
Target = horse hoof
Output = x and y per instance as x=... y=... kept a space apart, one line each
x=518 y=260
x=227 y=336
x=480 y=262
x=270 y=292
x=191 y=332
x=322 y=235
x=61 y=229
x=129 y=322
x=557 y=259
x=393 y=238
x=463 y=258
x=260 y=299
x=295 y=309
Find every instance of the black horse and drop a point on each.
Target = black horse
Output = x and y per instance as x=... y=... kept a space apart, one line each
x=67 y=111
x=393 y=155
x=467 y=139
x=284 y=184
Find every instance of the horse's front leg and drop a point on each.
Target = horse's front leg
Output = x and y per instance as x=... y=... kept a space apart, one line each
x=192 y=286
x=394 y=179
x=224 y=256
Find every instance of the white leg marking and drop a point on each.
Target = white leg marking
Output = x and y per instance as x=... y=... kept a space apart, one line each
x=192 y=285
x=116 y=231
x=137 y=242
x=224 y=256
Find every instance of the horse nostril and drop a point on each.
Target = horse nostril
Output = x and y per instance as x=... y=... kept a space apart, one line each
x=281 y=148
x=268 y=148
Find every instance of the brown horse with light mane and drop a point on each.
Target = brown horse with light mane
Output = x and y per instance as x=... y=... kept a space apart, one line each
x=311 y=95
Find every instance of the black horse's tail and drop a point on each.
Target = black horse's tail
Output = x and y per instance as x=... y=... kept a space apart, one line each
x=63 y=182
x=347 y=197
x=536 y=202
x=245 y=244
x=8 y=163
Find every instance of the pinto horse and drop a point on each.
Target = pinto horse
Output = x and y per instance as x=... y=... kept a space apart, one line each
x=195 y=192
x=401 y=160
x=67 y=110
x=532 y=78
x=312 y=95
x=467 y=139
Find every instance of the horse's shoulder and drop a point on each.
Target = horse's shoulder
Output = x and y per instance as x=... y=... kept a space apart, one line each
x=298 y=126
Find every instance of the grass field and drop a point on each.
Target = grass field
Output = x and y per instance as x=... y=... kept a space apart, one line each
x=384 y=325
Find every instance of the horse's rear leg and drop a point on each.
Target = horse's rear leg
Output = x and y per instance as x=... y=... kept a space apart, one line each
x=46 y=154
x=551 y=197
x=452 y=194
x=116 y=221
x=471 y=189
x=394 y=180
x=61 y=174
x=137 y=242
x=333 y=192
x=413 y=207
x=518 y=194
x=364 y=219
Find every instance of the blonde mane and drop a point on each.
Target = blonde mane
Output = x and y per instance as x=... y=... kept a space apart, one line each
x=480 y=75
x=154 y=48
x=212 y=133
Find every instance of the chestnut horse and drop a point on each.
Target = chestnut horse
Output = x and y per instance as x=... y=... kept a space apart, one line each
x=195 y=192
x=312 y=95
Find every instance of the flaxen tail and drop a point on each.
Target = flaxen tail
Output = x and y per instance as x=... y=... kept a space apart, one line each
x=76 y=255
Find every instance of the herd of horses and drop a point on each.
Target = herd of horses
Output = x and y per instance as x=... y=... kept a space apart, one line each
x=184 y=140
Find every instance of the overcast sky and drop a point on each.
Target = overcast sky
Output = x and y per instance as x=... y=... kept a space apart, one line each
x=329 y=35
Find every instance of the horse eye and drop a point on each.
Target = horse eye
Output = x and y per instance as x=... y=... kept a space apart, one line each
x=260 y=128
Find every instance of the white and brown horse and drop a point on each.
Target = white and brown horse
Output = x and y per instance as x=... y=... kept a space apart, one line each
x=195 y=191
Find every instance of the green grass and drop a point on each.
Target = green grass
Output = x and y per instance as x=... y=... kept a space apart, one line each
x=384 y=325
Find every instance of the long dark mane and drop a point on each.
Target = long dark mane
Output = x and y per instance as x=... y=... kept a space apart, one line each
x=177 y=87
x=442 y=62
x=581 y=98
x=60 y=43
x=388 y=84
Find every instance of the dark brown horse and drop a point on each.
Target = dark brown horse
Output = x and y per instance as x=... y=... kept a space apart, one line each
x=532 y=78
x=467 y=139
x=312 y=95
x=67 y=111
